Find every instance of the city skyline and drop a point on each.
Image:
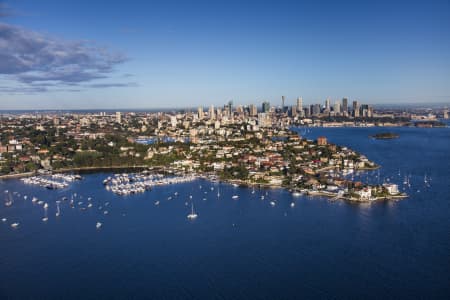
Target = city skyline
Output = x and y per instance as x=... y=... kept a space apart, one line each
x=149 y=56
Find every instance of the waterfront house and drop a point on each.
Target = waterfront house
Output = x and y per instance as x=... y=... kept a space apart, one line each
x=391 y=188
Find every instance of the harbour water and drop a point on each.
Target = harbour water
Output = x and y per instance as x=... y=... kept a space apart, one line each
x=242 y=248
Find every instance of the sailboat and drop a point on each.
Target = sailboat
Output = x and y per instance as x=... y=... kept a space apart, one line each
x=218 y=192
x=58 y=212
x=9 y=200
x=192 y=215
x=425 y=179
x=45 y=218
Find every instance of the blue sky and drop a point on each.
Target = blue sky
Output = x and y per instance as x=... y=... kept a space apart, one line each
x=150 y=54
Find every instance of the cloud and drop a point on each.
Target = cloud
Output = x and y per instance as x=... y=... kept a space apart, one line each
x=108 y=85
x=22 y=90
x=37 y=61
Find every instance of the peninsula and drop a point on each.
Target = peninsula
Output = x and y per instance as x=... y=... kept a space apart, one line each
x=236 y=148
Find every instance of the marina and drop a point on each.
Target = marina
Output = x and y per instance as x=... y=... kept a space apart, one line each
x=126 y=184
x=54 y=181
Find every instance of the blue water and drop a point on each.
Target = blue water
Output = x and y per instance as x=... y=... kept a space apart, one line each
x=240 y=249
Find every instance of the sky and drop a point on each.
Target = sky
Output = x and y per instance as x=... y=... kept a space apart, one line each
x=162 y=54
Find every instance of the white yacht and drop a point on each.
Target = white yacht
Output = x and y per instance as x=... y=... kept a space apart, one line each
x=192 y=215
x=98 y=225
x=234 y=197
x=15 y=225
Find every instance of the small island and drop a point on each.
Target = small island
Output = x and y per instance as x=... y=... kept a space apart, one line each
x=385 y=136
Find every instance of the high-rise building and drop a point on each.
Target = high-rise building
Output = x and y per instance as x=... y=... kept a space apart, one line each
x=212 y=115
x=337 y=107
x=265 y=107
x=355 y=109
x=119 y=117
x=366 y=111
x=370 y=112
x=219 y=113
x=253 y=110
x=230 y=108
x=327 y=104
x=294 y=111
x=299 y=104
x=282 y=102
x=307 y=111
x=315 y=109
x=200 y=113
x=173 y=121
x=264 y=120
x=344 y=105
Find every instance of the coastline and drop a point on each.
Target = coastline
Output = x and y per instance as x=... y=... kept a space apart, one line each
x=241 y=183
x=330 y=195
x=67 y=170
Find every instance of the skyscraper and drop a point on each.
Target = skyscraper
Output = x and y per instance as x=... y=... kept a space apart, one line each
x=219 y=113
x=211 y=112
x=355 y=109
x=327 y=104
x=253 y=110
x=230 y=107
x=294 y=111
x=282 y=103
x=299 y=104
x=118 y=117
x=265 y=107
x=315 y=109
x=344 y=105
x=200 y=113
x=337 y=107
